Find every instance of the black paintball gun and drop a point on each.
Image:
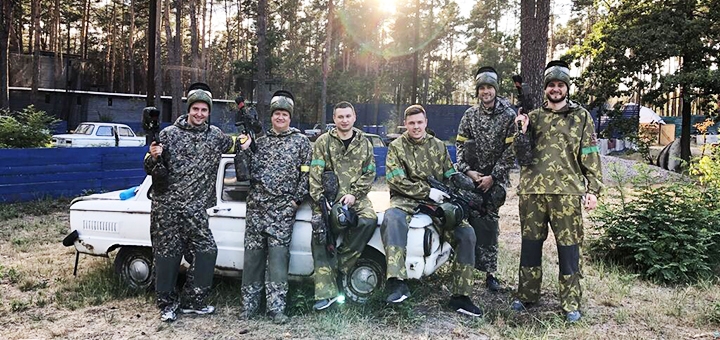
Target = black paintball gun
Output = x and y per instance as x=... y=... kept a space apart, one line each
x=522 y=144
x=151 y=127
x=247 y=124
x=461 y=191
x=322 y=230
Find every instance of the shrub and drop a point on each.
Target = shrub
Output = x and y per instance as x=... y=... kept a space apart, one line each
x=667 y=233
x=29 y=128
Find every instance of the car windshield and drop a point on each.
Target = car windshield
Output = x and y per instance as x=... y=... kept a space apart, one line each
x=84 y=129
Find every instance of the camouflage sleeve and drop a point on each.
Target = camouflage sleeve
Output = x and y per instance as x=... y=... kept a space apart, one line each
x=227 y=143
x=507 y=158
x=448 y=168
x=317 y=167
x=398 y=180
x=149 y=163
x=305 y=158
x=464 y=134
x=522 y=143
x=362 y=186
x=590 y=158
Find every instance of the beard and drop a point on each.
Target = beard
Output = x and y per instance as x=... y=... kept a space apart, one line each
x=555 y=101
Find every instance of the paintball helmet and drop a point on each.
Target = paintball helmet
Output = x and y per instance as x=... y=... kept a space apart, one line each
x=282 y=100
x=199 y=92
x=557 y=70
x=150 y=118
x=342 y=217
x=452 y=214
x=486 y=76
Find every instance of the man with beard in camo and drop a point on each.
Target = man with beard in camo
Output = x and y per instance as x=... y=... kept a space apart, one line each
x=278 y=185
x=560 y=168
x=346 y=152
x=490 y=125
x=411 y=158
x=187 y=156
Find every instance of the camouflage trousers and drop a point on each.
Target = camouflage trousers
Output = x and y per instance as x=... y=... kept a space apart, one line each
x=487 y=230
x=564 y=215
x=394 y=230
x=174 y=232
x=353 y=244
x=267 y=246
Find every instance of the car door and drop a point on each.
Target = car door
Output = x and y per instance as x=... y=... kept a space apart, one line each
x=227 y=217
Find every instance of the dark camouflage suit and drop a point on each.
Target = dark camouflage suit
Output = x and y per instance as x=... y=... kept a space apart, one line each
x=559 y=163
x=179 y=221
x=492 y=131
x=355 y=169
x=408 y=165
x=278 y=177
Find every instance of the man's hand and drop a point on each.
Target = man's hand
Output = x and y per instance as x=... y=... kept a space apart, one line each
x=156 y=150
x=348 y=200
x=485 y=183
x=522 y=120
x=590 y=201
x=245 y=141
x=438 y=196
x=474 y=175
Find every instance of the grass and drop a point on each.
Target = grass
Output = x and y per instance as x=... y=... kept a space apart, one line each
x=37 y=289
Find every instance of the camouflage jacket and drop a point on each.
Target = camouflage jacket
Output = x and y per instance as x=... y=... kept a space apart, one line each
x=408 y=165
x=559 y=153
x=191 y=155
x=355 y=167
x=492 y=131
x=279 y=169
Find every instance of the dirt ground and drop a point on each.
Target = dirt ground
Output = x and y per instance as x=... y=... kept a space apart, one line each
x=40 y=298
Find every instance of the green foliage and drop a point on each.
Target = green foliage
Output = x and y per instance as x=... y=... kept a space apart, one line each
x=667 y=233
x=707 y=168
x=29 y=128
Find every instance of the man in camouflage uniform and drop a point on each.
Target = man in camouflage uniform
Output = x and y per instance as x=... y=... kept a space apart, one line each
x=187 y=157
x=560 y=168
x=411 y=158
x=346 y=152
x=278 y=185
x=490 y=125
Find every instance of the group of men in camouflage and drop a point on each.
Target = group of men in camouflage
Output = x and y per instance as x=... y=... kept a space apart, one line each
x=560 y=169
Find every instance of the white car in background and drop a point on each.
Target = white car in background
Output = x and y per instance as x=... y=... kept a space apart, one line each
x=93 y=134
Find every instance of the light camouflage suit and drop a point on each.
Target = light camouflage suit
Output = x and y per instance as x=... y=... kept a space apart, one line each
x=355 y=169
x=179 y=221
x=492 y=130
x=278 y=177
x=409 y=162
x=559 y=163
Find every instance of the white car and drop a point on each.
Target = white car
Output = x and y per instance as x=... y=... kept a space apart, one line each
x=93 y=134
x=102 y=223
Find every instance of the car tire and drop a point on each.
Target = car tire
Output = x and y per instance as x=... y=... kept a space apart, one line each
x=366 y=277
x=134 y=266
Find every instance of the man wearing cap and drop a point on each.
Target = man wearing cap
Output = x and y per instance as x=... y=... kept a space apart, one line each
x=188 y=155
x=560 y=169
x=348 y=154
x=490 y=125
x=411 y=158
x=279 y=183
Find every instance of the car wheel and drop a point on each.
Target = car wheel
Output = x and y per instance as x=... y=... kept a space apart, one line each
x=366 y=277
x=134 y=266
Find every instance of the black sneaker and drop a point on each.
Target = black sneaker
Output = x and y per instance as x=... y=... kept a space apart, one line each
x=398 y=289
x=517 y=306
x=463 y=305
x=492 y=283
x=168 y=314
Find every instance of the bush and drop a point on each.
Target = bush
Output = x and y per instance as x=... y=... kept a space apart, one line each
x=667 y=233
x=29 y=128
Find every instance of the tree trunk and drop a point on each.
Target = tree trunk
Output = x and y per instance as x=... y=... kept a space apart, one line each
x=262 y=54
x=174 y=55
x=159 y=81
x=151 y=50
x=194 y=41
x=534 y=19
x=36 y=49
x=84 y=29
x=131 y=47
x=6 y=17
x=686 y=122
x=325 y=66
x=416 y=43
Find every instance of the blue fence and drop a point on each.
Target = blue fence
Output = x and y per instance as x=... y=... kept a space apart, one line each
x=27 y=174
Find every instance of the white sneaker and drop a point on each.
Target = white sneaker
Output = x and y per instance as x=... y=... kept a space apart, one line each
x=168 y=315
x=205 y=310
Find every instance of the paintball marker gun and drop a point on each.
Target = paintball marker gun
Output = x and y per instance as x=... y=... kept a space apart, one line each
x=248 y=125
x=321 y=229
x=461 y=191
x=151 y=126
x=523 y=95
